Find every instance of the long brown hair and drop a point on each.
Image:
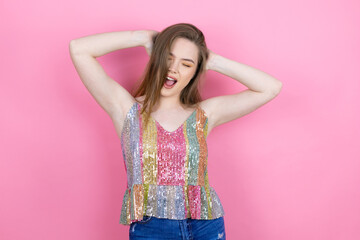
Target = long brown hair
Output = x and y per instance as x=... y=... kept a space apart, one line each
x=157 y=69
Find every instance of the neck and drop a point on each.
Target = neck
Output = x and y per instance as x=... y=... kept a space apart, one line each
x=171 y=103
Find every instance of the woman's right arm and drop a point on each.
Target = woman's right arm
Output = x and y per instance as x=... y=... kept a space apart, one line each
x=109 y=94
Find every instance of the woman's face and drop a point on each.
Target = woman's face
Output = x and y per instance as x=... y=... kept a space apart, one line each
x=182 y=62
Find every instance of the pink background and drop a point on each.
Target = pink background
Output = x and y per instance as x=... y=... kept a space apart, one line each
x=288 y=171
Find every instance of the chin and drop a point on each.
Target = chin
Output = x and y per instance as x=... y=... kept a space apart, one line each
x=168 y=92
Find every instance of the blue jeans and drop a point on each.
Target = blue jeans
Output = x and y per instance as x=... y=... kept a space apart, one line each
x=188 y=229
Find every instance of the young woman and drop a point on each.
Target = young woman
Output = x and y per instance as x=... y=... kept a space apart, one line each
x=163 y=126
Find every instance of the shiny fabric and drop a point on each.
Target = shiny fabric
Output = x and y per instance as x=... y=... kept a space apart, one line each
x=166 y=171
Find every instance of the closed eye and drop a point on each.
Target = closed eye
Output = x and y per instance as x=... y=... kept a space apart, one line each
x=183 y=64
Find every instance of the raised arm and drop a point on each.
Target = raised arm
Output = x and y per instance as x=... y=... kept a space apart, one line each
x=109 y=94
x=262 y=89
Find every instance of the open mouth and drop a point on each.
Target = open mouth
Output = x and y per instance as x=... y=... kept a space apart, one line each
x=169 y=83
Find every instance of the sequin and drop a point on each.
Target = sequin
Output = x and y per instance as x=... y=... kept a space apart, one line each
x=167 y=171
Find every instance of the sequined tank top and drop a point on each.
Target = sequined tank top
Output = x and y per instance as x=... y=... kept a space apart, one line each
x=166 y=171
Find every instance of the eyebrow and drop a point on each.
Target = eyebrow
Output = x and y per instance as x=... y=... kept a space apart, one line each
x=186 y=59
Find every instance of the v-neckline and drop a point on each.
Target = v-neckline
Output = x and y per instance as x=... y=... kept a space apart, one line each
x=175 y=129
x=158 y=124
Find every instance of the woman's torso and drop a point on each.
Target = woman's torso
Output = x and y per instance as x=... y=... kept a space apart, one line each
x=167 y=169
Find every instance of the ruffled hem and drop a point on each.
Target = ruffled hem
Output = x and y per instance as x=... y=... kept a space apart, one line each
x=171 y=202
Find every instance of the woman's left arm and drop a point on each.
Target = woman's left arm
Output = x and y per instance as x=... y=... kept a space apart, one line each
x=262 y=88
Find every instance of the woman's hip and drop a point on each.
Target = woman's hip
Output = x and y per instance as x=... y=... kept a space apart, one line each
x=162 y=228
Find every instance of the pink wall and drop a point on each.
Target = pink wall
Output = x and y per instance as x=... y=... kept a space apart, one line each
x=288 y=171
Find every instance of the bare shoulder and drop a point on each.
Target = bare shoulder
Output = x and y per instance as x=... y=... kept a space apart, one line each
x=140 y=99
x=119 y=114
x=206 y=107
x=123 y=108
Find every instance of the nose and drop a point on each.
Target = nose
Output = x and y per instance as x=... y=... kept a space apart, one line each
x=173 y=66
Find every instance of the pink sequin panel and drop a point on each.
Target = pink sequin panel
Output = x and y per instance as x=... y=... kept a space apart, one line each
x=195 y=201
x=171 y=156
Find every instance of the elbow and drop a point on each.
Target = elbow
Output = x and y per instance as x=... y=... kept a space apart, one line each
x=72 y=47
x=75 y=48
x=276 y=89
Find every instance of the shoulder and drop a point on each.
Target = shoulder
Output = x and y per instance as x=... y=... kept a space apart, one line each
x=124 y=108
x=140 y=99
x=205 y=107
